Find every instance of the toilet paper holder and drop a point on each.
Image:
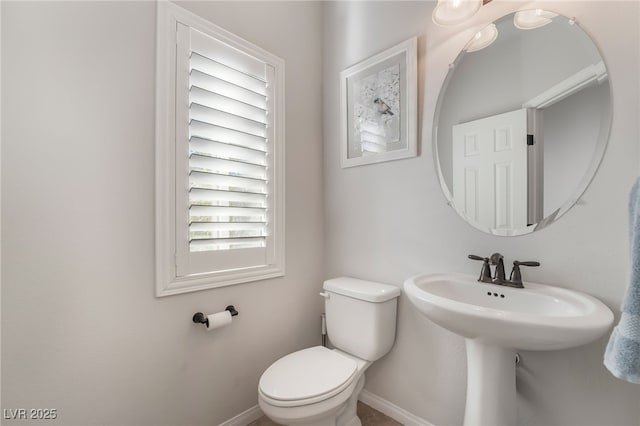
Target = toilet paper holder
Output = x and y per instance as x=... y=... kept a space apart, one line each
x=200 y=318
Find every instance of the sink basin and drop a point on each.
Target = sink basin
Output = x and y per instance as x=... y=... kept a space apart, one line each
x=496 y=320
x=537 y=317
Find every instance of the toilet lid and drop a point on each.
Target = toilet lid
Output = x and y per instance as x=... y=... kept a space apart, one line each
x=307 y=374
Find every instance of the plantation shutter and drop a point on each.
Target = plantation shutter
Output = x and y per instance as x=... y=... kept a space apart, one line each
x=228 y=134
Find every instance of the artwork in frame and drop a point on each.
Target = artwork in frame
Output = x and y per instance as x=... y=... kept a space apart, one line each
x=379 y=107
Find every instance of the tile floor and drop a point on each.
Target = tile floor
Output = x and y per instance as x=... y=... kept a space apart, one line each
x=368 y=416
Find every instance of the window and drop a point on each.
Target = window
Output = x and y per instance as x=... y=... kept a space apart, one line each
x=219 y=157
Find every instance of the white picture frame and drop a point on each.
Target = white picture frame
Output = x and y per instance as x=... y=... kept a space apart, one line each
x=379 y=107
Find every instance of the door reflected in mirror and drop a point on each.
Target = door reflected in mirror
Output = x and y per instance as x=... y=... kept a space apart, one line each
x=522 y=122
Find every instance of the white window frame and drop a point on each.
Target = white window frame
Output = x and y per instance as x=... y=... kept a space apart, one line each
x=169 y=258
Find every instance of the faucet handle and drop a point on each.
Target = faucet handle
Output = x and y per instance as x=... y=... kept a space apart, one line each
x=485 y=272
x=475 y=257
x=527 y=263
x=516 y=276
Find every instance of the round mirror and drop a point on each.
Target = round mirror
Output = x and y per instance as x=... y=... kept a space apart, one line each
x=522 y=122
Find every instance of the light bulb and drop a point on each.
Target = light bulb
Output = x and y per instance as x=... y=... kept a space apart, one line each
x=482 y=38
x=531 y=19
x=453 y=12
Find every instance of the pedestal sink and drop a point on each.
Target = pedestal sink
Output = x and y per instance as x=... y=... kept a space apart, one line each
x=496 y=321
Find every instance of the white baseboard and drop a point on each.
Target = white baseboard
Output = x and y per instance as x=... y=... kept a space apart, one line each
x=244 y=418
x=387 y=408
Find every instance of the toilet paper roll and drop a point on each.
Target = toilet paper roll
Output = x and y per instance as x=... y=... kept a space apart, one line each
x=219 y=319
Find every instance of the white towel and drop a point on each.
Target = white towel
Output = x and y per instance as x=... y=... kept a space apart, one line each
x=622 y=356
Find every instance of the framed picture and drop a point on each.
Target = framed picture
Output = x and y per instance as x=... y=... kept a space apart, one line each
x=378 y=107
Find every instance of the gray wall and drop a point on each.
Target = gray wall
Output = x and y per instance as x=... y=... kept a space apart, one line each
x=82 y=331
x=389 y=221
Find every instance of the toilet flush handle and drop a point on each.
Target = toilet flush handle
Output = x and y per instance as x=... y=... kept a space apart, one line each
x=325 y=295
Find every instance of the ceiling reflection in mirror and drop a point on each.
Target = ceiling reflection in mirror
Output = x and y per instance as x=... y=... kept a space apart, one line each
x=522 y=122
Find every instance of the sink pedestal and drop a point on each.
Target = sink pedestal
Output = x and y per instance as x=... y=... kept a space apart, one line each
x=496 y=319
x=491 y=385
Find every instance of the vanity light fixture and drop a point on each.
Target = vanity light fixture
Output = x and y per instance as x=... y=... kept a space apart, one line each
x=454 y=12
x=483 y=38
x=530 y=19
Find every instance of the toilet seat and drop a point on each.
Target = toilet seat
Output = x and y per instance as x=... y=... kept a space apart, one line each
x=306 y=377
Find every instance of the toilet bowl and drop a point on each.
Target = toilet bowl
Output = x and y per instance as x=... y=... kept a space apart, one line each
x=318 y=386
x=315 y=386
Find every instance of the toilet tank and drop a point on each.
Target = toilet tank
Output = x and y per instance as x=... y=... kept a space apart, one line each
x=361 y=316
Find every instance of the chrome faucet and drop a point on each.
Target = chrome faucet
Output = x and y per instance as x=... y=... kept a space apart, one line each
x=497 y=260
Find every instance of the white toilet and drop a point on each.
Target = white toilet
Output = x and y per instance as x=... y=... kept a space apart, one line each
x=319 y=386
